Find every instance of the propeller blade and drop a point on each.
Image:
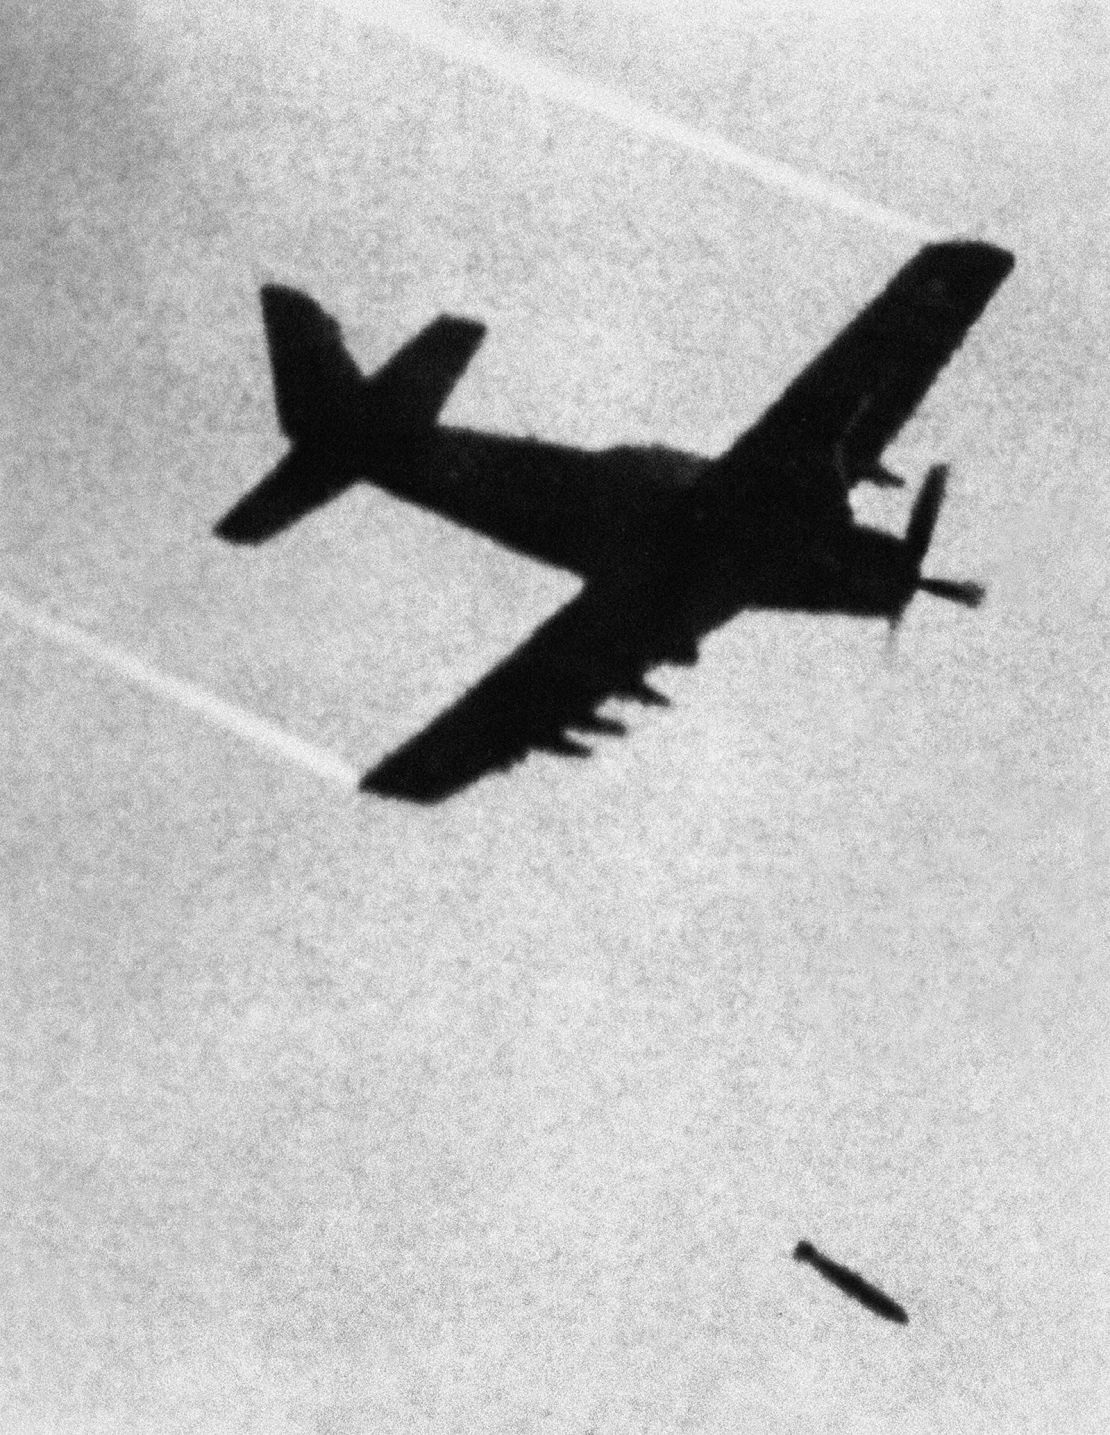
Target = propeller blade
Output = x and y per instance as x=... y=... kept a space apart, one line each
x=919 y=534
x=926 y=511
x=969 y=594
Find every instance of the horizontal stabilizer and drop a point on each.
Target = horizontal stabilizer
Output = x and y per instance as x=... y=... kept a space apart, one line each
x=302 y=481
x=408 y=392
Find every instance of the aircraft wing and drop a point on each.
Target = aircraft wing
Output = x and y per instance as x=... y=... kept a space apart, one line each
x=596 y=647
x=851 y=401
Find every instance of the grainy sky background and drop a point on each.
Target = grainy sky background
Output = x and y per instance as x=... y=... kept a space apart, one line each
x=330 y=1114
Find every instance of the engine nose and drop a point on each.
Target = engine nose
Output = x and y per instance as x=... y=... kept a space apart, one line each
x=876 y=576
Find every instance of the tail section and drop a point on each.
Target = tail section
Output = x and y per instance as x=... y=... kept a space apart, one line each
x=320 y=392
x=337 y=421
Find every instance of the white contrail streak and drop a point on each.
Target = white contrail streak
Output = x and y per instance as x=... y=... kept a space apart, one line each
x=236 y=720
x=539 y=77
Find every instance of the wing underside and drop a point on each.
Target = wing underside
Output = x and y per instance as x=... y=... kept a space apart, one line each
x=597 y=647
x=840 y=413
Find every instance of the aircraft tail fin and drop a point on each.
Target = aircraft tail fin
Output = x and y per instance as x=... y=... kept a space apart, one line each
x=316 y=382
x=320 y=392
x=338 y=422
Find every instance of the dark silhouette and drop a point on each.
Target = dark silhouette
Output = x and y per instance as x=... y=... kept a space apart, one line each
x=851 y=1284
x=669 y=545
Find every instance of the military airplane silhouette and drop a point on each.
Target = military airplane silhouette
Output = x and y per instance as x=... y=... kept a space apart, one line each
x=669 y=545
